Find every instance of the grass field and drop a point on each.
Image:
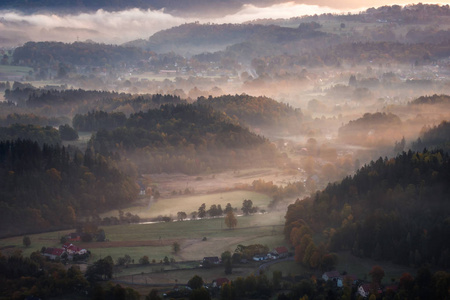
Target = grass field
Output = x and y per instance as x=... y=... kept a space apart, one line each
x=190 y=203
x=14 y=70
x=155 y=240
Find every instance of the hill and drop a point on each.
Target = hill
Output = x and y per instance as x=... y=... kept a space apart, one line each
x=372 y=129
x=185 y=138
x=53 y=102
x=258 y=112
x=198 y=38
x=436 y=137
x=48 y=187
x=392 y=209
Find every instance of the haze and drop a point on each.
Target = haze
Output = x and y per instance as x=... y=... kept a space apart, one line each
x=119 y=27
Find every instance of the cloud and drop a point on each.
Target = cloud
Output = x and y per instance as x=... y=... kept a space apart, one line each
x=101 y=26
x=123 y=26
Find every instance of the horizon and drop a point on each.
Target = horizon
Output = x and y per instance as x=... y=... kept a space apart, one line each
x=118 y=27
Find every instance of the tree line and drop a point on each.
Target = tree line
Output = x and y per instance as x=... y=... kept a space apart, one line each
x=257 y=111
x=436 y=137
x=54 y=103
x=187 y=138
x=50 y=186
x=391 y=209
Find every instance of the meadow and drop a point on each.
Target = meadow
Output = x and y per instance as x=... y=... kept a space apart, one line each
x=197 y=238
x=188 y=203
x=14 y=70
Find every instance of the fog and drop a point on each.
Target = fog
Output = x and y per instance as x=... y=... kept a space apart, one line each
x=123 y=26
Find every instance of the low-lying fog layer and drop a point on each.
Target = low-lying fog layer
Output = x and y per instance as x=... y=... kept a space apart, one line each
x=123 y=26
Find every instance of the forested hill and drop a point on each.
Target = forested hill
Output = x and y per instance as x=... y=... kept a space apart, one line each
x=185 y=138
x=46 y=187
x=204 y=37
x=258 y=112
x=435 y=137
x=393 y=209
x=51 y=102
x=430 y=100
x=372 y=129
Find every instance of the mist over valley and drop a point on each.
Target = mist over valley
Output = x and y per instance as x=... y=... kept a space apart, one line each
x=224 y=150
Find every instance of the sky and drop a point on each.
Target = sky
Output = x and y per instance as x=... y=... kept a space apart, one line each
x=123 y=26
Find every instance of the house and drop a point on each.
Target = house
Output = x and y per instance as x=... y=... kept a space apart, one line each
x=213 y=260
x=219 y=282
x=281 y=252
x=259 y=257
x=72 y=250
x=53 y=253
x=332 y=275
x=364 y=290
x=73 y=237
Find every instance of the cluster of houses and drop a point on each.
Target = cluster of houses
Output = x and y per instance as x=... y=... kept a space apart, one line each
x=68 y=250
x=277 y=253
x=364 y=289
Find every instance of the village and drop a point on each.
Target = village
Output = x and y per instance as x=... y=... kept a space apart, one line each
x=69 y=254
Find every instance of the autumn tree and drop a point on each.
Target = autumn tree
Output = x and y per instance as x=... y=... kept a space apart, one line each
x=377 y=274
x=230 y=220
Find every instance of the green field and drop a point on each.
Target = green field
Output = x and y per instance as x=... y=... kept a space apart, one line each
x=190 y=203
x=131 y=239
x=14 y=70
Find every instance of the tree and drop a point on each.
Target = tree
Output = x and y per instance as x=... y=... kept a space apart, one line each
x=230 y=220
x=227 y=291
x=226 y=260
x=277 y=276
x=200 y=294
x=67 y=133
x=202 y=211
x=175 y=247
x=195 y=282
x=228 y=208
x=26 y=241
x=247 y=207
x=181 y=215
x=144 y=260
x=377 y=274
x=153 y=295
x=213 y=211
x=101 y=269
x=123 y=261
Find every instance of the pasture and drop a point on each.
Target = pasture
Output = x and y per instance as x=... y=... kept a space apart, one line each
x=14 y=71
x=156 y=239
x=189 y=203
